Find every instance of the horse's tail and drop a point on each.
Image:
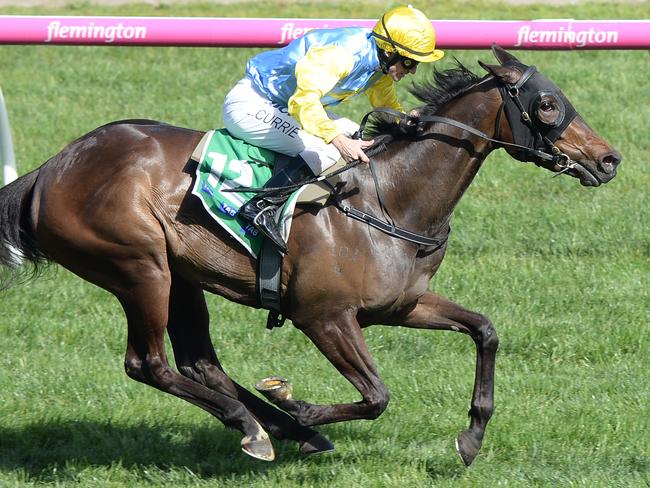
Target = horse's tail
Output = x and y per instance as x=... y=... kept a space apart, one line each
x=17 y=240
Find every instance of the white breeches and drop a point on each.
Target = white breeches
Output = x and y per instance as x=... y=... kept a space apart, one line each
x=249 y=115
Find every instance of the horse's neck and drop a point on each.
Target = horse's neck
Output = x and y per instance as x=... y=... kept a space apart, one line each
x=434 y=172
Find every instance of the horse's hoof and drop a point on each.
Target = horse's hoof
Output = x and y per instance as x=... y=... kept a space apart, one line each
x=275 y=388
x=318 y=444
x=259 y=447
x=467 y=447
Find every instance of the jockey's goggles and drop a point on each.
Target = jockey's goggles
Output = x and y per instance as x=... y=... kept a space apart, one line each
x=408 y=63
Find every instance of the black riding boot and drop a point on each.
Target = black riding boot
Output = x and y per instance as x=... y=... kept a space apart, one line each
x=261 y=210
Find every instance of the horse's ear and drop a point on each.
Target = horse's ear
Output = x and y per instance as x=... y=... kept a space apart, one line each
x=502 y=55
x=507 y=75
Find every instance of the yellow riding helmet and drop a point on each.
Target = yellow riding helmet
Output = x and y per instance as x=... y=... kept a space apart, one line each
x=407 y=31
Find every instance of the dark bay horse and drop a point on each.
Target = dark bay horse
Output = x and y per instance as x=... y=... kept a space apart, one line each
x=115 y=208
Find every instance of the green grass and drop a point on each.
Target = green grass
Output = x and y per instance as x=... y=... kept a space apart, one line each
x=562 y=271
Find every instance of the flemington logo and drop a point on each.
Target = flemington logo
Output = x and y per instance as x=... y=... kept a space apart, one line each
x=90 y=31
x=291 y=32
x=527 y=36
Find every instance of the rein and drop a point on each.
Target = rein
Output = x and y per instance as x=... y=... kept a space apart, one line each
x=388 y=225
x=508 y=92
x=555 y=156
x=455 y=123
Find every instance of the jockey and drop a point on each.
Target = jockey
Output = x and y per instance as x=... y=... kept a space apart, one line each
x=283 y=102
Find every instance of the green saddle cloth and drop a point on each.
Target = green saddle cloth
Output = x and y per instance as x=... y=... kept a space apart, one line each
x=226 y=163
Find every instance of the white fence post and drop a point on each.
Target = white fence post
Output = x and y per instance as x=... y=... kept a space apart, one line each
x=8 y=160
x=7 y=156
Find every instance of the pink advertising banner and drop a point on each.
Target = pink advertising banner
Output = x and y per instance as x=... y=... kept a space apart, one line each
x=236 y=32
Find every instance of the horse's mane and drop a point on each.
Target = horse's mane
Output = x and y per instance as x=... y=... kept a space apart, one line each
x=436 y=91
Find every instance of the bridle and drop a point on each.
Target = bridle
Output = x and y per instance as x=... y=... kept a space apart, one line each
x=533 y=140
x=537 y=137
x=537 y=143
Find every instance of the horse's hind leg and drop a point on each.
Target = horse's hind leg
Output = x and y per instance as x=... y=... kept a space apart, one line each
x=196 y=358
x=109 y=235
x=341 y=342
x=146 y=305
x=435 y=312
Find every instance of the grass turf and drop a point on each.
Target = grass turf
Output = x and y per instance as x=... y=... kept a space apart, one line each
x=561 y=270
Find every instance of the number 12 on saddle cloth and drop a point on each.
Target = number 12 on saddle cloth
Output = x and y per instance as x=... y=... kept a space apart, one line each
x=225 y=162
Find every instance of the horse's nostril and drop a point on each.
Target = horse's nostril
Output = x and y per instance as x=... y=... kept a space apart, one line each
x=609 y=162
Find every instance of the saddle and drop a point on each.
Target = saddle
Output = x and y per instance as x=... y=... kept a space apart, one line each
x=312 y=194
x=269 y=268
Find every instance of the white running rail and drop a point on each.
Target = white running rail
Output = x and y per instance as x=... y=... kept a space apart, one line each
x=7 y=156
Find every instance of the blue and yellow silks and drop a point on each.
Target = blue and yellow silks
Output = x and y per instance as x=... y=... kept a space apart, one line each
x=320 y=70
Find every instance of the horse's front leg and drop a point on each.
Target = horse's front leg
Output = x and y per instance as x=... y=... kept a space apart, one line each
x=341 y=341
x=435 y=312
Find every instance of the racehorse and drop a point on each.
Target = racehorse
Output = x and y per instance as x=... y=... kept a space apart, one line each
x=115 y=208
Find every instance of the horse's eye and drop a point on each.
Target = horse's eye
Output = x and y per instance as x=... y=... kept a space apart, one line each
x=549 y=109
x=546 y=106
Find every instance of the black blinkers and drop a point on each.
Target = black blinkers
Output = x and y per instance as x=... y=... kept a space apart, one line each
x=537 y=111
